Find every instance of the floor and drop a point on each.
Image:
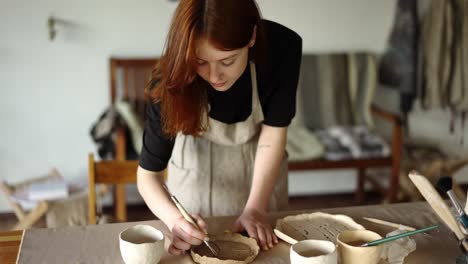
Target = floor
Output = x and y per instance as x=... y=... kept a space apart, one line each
x=141 y=212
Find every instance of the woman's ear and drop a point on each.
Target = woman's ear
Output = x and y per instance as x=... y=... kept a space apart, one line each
x=254 y=36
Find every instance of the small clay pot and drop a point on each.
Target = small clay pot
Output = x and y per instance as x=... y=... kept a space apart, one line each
x=351 y=253
x=313 y=252
x=141 y=244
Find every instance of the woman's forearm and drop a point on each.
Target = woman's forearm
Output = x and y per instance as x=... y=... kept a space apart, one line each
x=150 y=187
x=270 y=153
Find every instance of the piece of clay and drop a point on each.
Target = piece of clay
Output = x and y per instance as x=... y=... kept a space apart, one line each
x=318 y=225
x=233 y=249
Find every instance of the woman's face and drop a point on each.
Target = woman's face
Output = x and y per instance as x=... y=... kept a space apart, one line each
x=219 y=68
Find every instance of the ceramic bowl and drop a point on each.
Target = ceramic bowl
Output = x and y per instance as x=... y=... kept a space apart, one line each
x=351 y=253
x=313 y=252
x=141 y=244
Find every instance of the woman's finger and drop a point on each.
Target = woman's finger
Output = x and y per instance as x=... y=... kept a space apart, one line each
x=275 y=238
x=200 y=222
x=191 y=232
x=174 y=251
x=180 y=232
x=180 y=244
x=252 y=231
x=262 y=237
x=269 y=238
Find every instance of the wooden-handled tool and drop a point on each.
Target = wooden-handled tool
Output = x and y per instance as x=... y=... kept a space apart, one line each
x=438 y=205
x=213 y=248
x=284 y=237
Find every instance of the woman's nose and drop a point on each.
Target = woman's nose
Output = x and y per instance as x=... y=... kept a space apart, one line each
x=215 y=74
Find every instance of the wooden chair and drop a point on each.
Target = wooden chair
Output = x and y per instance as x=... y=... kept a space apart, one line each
x=119 y=172
x=128 y=78
x=26 y=219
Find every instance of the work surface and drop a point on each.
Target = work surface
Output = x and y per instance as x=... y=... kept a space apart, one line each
x=100 y=244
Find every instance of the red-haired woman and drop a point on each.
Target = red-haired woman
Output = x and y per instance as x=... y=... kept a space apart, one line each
x=223 y=96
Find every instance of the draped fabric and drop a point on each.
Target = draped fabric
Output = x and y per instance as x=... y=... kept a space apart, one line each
x=444 y=56
x=334 y=90
x=337 y=89
x=398 y=66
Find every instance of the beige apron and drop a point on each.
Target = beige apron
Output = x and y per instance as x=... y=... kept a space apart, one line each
x=211 y=175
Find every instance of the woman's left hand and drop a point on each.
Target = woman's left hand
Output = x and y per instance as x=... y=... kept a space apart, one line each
x=256 y=224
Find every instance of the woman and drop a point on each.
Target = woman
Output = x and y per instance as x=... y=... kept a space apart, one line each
x=224 y=94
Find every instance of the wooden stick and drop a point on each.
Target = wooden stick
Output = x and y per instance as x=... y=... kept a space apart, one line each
x=286 y=238
x=387 y=223
x=33 y=216
x=437 y=203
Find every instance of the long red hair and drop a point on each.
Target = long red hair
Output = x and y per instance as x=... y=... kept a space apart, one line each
x=175 y=84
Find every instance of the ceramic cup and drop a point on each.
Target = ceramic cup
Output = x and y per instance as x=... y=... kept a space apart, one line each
x=351 y=253
x=141 y=244
x=313 y=252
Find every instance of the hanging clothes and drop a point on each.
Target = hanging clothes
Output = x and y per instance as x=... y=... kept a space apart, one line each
x=103 y=130
x=398 y=66
x=338 y=89
x=444 y=56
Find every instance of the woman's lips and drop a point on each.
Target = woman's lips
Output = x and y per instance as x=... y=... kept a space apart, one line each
x=218 y=84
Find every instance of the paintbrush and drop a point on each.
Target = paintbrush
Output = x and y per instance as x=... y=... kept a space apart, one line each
x=444 y=184
x=438 y=205
x=398 y=236
x=189 y=218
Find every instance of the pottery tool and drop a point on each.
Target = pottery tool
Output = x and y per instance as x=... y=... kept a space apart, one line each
x=284 y=237
x=212 y=247
x=445 y=185
x=398 y=236
x=438 y=205
x=387 y=223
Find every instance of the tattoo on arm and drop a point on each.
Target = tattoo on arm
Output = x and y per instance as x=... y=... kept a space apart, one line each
x=264 y=146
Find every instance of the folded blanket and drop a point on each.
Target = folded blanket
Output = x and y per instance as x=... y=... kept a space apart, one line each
x=356 y=142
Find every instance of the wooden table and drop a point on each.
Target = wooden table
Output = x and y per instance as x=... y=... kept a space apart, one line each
x=9 y=246
x=99 y=243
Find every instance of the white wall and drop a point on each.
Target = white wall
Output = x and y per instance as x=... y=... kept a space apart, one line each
x=52 y=92
x=335 y=25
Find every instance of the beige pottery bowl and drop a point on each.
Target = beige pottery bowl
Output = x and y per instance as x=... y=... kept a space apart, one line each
x=350 y=254
x=313 y=252
x=141 y=244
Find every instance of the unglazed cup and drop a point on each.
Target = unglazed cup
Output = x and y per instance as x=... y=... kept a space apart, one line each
x=313 y=252
x=354 y=254
x=141 y=244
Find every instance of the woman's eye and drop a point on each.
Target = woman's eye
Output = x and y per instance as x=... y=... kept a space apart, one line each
x=227 y=63
x=201 y=62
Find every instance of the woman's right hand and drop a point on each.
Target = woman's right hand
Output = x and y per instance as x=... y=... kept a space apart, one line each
x=185 y=235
